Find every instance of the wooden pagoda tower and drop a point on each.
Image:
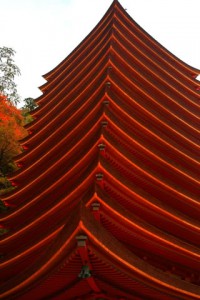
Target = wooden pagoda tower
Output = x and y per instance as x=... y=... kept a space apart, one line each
x=105 y=204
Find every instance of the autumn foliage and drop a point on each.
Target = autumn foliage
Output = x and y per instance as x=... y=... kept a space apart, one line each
x=11 y=131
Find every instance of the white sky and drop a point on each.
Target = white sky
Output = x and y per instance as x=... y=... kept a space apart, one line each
x=44 y=32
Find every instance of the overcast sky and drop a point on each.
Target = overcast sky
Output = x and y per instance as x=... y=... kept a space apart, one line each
x=44 y=32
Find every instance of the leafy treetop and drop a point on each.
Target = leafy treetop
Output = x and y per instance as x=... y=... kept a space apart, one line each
x=8 y=71
x=11 y=131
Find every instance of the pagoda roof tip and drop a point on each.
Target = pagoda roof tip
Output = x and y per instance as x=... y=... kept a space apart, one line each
x=115 y=2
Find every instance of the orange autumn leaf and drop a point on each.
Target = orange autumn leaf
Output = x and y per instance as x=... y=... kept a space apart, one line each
x=11 y=131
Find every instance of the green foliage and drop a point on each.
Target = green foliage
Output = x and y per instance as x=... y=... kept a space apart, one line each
x=4 y=183
x=5 y=186
x=27 y=116
x=29 y=104
x=8 y=71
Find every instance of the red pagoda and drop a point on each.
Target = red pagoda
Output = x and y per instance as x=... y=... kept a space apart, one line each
x=106 y=198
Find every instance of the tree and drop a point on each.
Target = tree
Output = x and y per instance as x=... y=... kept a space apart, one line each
x=11 y=131
x=29 y=104
x=8 y=71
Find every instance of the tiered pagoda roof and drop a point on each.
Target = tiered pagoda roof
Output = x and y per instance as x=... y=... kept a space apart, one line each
x=106 y=198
